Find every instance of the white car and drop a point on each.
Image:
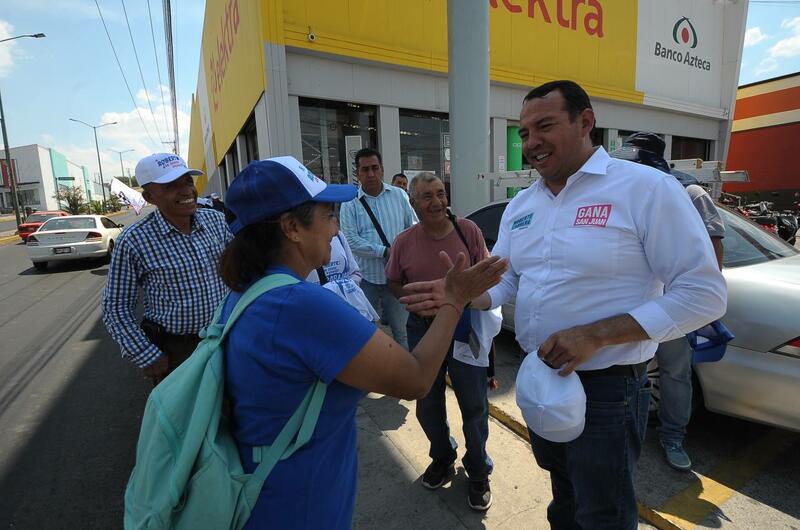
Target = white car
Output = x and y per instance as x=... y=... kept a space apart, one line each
x=72 y=237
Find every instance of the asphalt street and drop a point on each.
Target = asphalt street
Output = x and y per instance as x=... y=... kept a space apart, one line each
x=70 y=407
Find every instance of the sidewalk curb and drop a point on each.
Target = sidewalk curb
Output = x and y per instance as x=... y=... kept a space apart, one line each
x=648 y=514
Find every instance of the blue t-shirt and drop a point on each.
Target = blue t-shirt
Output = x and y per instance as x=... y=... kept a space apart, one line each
x=276 y=350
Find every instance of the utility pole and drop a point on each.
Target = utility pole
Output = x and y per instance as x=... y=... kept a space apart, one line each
x=12 y=178
x=97 y=147
x=121 y=167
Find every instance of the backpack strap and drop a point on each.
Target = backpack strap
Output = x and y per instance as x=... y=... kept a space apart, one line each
x=301 y=425
x=263 y=285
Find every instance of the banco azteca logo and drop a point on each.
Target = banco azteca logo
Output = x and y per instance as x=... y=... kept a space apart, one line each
x=683 y=33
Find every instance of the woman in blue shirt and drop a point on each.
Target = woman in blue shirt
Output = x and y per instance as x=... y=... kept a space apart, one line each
x=283 y=221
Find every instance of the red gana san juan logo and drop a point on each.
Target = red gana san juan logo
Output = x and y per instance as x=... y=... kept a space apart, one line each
x=595 y=215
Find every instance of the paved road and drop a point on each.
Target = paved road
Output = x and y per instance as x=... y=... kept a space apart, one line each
x=69 y=406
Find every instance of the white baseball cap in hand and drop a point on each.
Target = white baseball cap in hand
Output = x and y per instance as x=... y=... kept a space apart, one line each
x=554 y=407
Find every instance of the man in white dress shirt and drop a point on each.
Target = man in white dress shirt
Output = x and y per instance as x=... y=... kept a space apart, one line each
x=601 y=275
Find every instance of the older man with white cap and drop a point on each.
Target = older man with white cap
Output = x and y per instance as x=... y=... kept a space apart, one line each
x=171 y=255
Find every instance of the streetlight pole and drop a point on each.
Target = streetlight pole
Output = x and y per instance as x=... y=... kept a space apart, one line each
x=97 y=147
x=121 y=167
x=12 y=178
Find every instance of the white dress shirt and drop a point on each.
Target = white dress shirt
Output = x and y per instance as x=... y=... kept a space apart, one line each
x=619 y=238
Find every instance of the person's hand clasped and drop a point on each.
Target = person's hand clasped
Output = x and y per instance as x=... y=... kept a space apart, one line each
x=458 y=287
x=569 y=348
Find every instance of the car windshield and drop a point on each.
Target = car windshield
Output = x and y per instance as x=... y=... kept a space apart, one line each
x=68 y=223
x=747 y=244
x=38 y=217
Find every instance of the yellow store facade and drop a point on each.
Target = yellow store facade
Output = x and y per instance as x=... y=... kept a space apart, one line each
x=319 y=79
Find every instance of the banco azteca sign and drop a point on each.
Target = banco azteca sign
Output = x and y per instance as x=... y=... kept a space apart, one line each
x=685 y=40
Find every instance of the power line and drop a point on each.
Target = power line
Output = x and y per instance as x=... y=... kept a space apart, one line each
x=158 y=67
x=141 y=75
x=121 y=71
x=171 y=69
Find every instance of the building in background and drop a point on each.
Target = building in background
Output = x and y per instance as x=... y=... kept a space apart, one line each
x=766 y=133
x=40 y=172
x=319 y=80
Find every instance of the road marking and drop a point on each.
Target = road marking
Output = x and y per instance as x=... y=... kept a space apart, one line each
x=694 y=504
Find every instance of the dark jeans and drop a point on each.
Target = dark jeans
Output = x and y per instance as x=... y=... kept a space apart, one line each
x=592 y=476
x=470 y=386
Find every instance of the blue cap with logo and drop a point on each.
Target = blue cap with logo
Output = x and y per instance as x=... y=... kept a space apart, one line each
x=267 y=188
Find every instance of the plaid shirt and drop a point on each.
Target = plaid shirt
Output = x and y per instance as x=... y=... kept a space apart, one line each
x=177 y=274
x=394 y=214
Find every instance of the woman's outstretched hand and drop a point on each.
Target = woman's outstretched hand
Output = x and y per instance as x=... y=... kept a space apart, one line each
x=459 y=286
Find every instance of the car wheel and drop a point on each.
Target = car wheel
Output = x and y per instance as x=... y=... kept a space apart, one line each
x=109 y=251
x=40 y=265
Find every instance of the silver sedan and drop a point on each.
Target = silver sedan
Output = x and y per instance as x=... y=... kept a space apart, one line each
x=759 y=377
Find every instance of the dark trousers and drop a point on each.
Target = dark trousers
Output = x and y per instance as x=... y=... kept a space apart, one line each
x=470 y=387
x=592 y=476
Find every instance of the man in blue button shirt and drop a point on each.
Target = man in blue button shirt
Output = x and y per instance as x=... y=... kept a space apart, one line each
x=393 y=213
x=171 y=256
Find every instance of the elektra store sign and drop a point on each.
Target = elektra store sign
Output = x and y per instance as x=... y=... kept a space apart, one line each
x=681 y=48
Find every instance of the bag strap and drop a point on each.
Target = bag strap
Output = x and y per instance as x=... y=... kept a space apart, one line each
x=263 y=285
x=301 y=424
x=452 y=217
x=363 y=201
x=323 y=278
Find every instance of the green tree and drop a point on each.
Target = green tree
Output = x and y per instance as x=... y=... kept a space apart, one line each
x=73 y=198
x=114 y=204
x=96 y=207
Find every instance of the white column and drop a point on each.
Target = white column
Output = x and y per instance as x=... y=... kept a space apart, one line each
x=389 y=140
x=468 y=59
x=262 y=130
x=668 y=147
x=295 y=135
x=241 y=151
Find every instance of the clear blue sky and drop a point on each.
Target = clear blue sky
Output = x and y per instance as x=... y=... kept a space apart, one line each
x=72 y=72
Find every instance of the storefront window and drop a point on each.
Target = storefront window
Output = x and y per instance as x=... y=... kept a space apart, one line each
x=683 y=148
x=425 y=143
x=332 y=132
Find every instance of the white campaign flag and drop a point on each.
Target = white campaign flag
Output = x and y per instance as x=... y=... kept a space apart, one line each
x=128 y=195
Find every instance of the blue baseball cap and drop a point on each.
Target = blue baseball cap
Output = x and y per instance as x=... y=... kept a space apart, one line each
x=710 y=342
x=267 y=188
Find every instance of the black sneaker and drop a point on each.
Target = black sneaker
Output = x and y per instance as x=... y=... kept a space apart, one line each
x=438 y=473
x=480 y=495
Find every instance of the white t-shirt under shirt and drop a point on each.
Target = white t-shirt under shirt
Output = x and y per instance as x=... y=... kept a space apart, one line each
x=344 y=276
